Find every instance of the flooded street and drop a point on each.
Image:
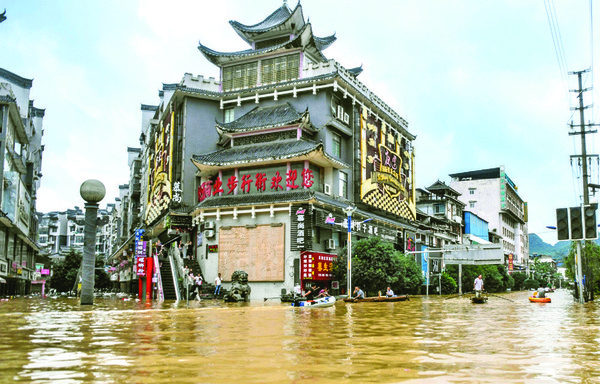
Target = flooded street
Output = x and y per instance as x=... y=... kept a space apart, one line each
x=424 y=340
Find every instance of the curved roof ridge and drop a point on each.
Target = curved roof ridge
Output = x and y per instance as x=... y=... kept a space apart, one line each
x=305 y=33
x=277 y=115
x=275 y=19
x=20 y=81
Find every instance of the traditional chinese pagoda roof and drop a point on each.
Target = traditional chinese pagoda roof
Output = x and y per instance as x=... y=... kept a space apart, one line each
x=443 y=187
x=355 y=71
x=265 y=154
x=304 y=39
x=265 y=117
x=18 y=80
x=281 y=21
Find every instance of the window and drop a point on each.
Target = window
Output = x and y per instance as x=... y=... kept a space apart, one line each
x=472 y=204
x=343 y=187
x=471 y=191
x=336 y=145
x=228 y=115
x=439 y=208
x=280 y=69
x=240 y=76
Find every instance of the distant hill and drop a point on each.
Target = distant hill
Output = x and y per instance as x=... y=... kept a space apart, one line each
x=557 y=251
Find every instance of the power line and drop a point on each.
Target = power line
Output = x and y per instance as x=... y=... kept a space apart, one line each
x=558 y=46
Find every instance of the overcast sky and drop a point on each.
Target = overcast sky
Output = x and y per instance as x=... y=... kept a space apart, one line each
x=478 y=81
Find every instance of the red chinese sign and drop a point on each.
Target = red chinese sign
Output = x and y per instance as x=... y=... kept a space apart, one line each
x=316 y=265
x=259 y=183
x=510 y=262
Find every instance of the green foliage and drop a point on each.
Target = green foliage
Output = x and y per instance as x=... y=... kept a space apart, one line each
x=377 y=265
x=533 y=284
x=519 y=280
x=64 y=274
x=590 y=267
x=495 y=277
x=449 y=285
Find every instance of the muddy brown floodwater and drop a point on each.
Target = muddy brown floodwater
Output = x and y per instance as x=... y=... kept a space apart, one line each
x=435 y=339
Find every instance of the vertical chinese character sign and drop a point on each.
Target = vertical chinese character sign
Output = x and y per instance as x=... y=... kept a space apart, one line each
x=140 y=252
x=301 y=228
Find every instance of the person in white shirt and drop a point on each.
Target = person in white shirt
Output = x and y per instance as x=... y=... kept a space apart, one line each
x=218 y=285
x=478 y=286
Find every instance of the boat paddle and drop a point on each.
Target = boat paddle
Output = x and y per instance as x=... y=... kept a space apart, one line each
x=276 y=297
x=500 y=297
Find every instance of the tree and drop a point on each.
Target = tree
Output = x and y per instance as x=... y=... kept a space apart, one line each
x=64 y=273
x=590 y=268
x=449 y=285
x=495 y=277
x=519 y=279
x=377 y=265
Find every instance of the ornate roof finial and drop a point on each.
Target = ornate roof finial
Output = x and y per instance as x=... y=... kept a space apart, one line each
x=3 y=15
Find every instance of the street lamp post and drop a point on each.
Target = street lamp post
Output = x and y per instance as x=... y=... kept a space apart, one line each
x=92 y=191
x=349 y=210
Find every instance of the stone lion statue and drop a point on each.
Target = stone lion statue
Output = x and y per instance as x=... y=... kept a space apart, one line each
x=240 y=290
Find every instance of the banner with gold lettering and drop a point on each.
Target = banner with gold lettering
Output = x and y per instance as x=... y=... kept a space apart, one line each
x=387 y=168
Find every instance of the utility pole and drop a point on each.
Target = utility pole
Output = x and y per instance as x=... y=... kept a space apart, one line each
x=584 y=168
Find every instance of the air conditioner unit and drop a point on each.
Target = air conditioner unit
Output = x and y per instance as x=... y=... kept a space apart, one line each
x=209 y=234
x=209 y=225
x=327 y=189
x=330 y=244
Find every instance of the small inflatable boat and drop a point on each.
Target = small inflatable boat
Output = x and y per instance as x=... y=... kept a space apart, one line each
x=540 y=299
x=316 y=303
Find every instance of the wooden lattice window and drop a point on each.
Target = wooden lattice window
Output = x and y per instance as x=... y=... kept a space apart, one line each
x=240 y=76
x=279 y=69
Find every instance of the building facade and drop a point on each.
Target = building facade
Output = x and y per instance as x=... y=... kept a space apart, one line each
x=259 y=169
x=21 y=130
x=492 y=195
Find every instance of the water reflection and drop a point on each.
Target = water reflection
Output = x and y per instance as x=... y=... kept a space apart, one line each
x=426 y=339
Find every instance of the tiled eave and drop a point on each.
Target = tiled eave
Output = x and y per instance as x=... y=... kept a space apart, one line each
x=281 y=20
x=248 y=199
x=265 y=154
x=16 y=79
x=265 y=118
x=304 y=40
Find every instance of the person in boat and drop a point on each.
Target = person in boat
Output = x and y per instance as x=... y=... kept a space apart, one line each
x=359 y=293
x=310 y=294
x=541 y=292
x=324 y=293
x=478 y=286
x=389 y=292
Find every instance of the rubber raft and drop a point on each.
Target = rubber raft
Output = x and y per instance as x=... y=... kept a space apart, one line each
x=540 y=299
x=316 y=303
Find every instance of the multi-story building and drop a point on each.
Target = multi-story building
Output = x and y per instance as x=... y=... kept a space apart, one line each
x=261 y=168
x=61 y=231
x=20 y=171
x=493 y=196
x=442 y=212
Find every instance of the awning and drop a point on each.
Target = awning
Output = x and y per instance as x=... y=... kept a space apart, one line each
x=122 y=247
